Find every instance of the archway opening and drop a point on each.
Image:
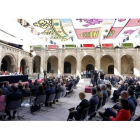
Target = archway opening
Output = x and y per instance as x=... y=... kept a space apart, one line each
x=111 y=69
x=36 y=64
x=88 y=63
x=24 y=66
x=70 y=64
x=107 y=64
x=52 y=64
x=89 y=67
x=8 y=64
x=127 y=66
x=67 y=67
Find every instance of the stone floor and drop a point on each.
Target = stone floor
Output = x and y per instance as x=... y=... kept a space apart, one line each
x=59 y=111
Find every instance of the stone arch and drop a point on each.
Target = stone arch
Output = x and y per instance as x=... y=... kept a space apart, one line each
x=73 y=61
x=8 y=63
x=106 y=62
x=127 y=64
x=52 y=64
x=86 y=60
x=24 y=65
x=36 y=64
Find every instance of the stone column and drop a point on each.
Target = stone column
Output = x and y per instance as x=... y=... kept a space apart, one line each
x=117 y=62
x=31 y=67
x=42 y=63
x=98 y=59
x=136 y=62
x=60 y=63
x=78 y=68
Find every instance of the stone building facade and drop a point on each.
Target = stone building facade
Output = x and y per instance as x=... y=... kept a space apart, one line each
x=71 y=60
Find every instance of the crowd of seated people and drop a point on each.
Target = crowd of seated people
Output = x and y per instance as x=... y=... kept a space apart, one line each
x=21 y=92
x=3 y=73
x=126 y=94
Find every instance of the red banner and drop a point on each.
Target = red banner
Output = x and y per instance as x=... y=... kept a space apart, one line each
x=88 y=45
x=107 y=45
x=52 y=46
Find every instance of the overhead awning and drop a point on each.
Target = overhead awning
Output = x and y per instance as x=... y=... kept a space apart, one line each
x=88 y=45
x=110 y=45
x=127 y=45
x=52 y=46
x=70 y=46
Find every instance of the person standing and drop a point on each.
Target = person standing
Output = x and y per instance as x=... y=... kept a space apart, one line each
x=95 y=78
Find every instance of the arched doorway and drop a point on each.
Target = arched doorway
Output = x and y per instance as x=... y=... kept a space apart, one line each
x=111 y=69
x=24 y=66
x=88 y=63
x=127 y=66
x=52 y=64
x=36 y=64
x=8 y=64
x=70 y=64
x=107 y=64
x=89 y=67
x=67 y=67
x=48 y=67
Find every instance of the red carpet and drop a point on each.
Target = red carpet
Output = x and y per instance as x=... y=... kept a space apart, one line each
x=88 y=89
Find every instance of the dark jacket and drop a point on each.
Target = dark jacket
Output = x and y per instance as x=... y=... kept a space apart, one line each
x=83 y=105
x=94 y=100
x=14 y=96
x=131 y=105
x=5 y=90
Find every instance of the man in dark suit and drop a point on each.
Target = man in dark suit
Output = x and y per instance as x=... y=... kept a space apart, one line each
x=14 y=96
x=95 y=78
x=77 y=113
x=49 y=91
x=5 y=90
x=94 y=101
x=34 y=89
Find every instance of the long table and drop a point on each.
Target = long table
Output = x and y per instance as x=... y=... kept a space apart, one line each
x=14 y=79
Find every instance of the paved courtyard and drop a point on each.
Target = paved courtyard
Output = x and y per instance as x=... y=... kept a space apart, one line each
x=59 y=111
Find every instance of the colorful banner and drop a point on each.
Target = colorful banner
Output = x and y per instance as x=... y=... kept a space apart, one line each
x=87 y=33
x=70 y=46
x=86 y=23
x=52 y=46
x=88 y=45
x=127 y=45
x=107 y=45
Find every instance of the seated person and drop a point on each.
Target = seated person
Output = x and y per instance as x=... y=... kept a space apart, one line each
x=14 y=96
x=137 y=89
x=104 y=92
x=20 y=87
x=70 y=85
x=132 y=96
x=49 y=91
x=100 y=96
x=124 y=113
x=26 y=91
x=30 y=84
x=116 y=108
x=117 y=93
x=94 y=101
x=77 y=113
x=2 y=100
x=34 y=89
x=40 y=91
x=5 y=90
x=6 y=85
